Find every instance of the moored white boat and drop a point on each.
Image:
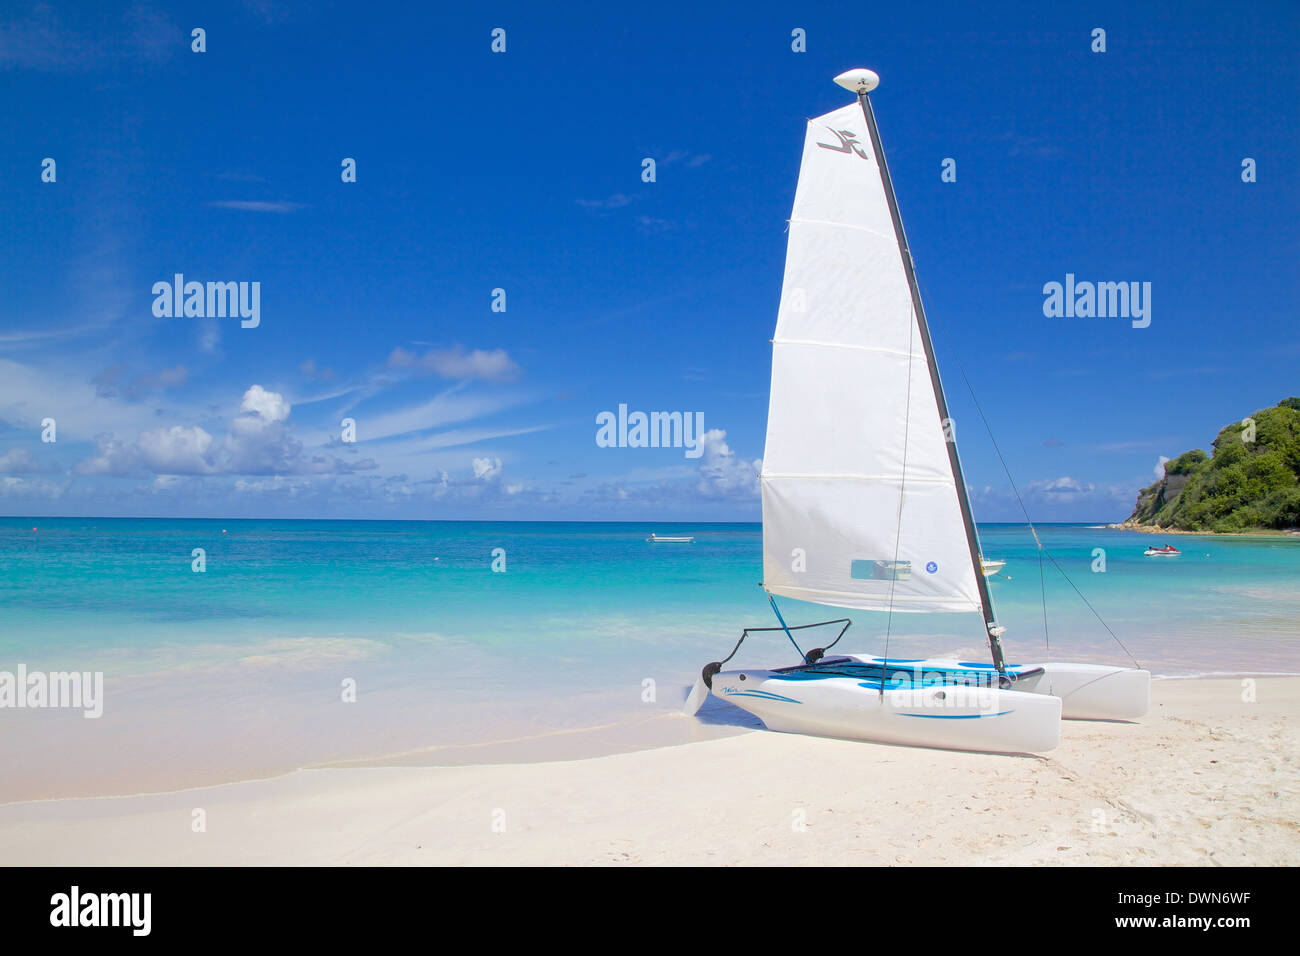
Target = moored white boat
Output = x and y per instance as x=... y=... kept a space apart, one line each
x=664 y=539
x=864 y=503
x=991 y=568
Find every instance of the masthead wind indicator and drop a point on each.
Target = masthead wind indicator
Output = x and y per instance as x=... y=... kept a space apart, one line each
x=858 y=81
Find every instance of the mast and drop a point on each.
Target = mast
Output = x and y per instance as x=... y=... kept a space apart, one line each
x=863 y=82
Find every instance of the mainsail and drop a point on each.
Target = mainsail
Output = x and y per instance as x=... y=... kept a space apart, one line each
x=861 y=506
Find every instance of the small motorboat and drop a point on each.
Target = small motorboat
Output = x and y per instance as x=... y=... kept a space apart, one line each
x=1167 y=551
x=662 y=539
x=991 y=568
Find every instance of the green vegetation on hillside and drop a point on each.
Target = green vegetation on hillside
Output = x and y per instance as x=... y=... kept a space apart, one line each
x=1250 y=482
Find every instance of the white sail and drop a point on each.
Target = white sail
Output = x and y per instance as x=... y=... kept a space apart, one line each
x=853 y=428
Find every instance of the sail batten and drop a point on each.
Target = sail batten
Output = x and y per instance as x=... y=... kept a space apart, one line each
x=860 y=504
x=837 y=345
x=838 y=225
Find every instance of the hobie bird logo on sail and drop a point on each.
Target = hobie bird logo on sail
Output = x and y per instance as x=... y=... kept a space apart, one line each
x=848 y=142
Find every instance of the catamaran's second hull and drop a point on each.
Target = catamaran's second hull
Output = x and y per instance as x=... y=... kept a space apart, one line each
x=952 y=717
x=1093 y=691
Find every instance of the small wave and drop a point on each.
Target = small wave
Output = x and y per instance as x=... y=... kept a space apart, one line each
x=311 y=650
x=1285 y=595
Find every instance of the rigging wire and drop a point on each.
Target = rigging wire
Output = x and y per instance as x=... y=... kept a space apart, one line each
x=902 y=484
x=1042 y=588
x=772 y=601
x=1042 y=551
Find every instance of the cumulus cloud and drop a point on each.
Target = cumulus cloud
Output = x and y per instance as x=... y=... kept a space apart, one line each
x=719 y=476
x=267 y=406
x=176 y=451
x=258 y=441
x=441 y=484
x=722 y=472
x=1160 y=467
x=487 y=469
x=112 y=457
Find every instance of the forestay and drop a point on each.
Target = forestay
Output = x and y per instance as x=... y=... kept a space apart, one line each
x=852 y=401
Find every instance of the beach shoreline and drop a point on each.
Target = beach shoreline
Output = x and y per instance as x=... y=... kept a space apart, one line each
x=1210 y=776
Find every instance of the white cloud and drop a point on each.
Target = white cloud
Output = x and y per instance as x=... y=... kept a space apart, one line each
x=487 y=469
x=459 y=363
x=720 y=476
x=1160 y=467
x=269 y=406
x=176 y=451
x=443 y=409
x=19 y=461
x=722 y=472
x=13 y=487
x=469 y=436
x=112 y=457
x=1063 y=489
x=258 y=441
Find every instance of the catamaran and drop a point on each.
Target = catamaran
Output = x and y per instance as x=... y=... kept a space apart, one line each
x=864 y=504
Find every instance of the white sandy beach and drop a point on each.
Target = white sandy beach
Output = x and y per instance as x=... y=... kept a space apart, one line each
x=1204 y=779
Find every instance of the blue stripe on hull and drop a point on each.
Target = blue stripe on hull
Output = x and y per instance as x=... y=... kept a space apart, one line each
x=928 y=676
x=762 y=694
x=958 y=716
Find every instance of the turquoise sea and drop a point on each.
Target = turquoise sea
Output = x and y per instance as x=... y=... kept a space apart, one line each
x=586 y=642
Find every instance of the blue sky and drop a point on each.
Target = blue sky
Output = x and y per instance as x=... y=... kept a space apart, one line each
x=522 y=171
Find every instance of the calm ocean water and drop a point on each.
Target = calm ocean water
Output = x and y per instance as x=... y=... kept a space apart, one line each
x=241 y=669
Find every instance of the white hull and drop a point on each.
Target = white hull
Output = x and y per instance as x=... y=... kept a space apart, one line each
x=1094 y=691
x=935 y=703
